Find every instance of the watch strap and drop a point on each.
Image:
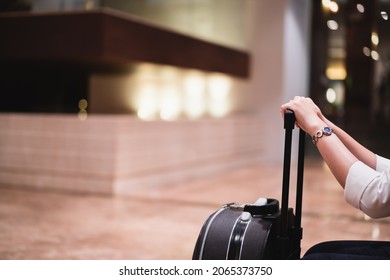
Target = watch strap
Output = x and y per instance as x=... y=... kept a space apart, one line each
x=324 y=131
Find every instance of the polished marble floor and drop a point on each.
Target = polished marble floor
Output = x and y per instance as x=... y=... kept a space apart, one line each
x=164 y=223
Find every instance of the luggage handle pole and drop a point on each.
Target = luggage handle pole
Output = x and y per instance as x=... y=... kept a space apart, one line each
x=289 y=122
x=300 y=168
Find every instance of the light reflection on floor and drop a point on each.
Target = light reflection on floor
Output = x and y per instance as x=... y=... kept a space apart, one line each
x=164 y=224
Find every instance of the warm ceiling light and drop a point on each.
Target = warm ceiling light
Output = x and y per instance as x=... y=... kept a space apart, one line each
x=360 y=8
x=336 y=73
x=334 y=7
x=332 y=24
x=331 y=95
x=375 y=38
x=374 y=55
x=326 y=3
x=384 y=15
x=366 y=51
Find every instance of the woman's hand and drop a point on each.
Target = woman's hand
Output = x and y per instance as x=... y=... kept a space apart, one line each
x=307 y=114
x=309 y=118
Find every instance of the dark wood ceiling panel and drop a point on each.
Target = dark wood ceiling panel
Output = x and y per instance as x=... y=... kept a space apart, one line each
x=101 y=37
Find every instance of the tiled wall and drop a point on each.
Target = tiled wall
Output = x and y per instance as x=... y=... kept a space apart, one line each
x=120 y=154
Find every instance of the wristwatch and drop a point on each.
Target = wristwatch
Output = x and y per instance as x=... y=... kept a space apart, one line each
x=325 y=131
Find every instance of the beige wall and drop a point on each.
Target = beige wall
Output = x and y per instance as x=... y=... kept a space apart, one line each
x=280 y=48
x=220 y=21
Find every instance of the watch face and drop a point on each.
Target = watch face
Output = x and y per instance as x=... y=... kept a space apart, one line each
x=327 y=130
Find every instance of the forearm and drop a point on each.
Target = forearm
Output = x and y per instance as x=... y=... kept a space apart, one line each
x=334 y=152
x=358 y=150
x=337 y=157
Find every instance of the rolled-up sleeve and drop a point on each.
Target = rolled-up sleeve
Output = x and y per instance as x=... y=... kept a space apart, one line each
x=368 y=189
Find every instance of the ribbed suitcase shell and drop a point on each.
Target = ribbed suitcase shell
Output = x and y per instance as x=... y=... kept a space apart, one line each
x=225 y=235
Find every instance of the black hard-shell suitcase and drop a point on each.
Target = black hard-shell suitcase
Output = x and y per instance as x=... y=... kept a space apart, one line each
x=261 y=230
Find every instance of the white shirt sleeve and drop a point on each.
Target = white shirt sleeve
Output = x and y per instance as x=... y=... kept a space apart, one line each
x=382 y=163
x=368 y=189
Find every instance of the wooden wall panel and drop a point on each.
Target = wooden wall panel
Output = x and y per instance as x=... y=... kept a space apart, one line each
x=105 y=37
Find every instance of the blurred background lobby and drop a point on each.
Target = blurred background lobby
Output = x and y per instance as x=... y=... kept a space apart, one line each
x=125 y=124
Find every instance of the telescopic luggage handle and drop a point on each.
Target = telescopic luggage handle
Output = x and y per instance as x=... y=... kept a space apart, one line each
x=289 y=123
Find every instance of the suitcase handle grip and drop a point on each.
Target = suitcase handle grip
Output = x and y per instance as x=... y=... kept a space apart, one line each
x=289 y=119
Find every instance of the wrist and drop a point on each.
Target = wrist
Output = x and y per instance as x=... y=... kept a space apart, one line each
x=325 y=131
x=315 y=127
